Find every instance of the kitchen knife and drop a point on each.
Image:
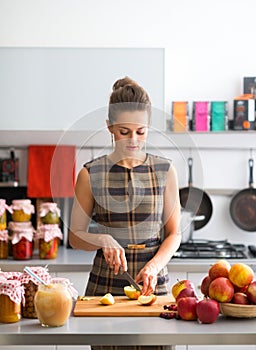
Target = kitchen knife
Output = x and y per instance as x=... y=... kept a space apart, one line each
x=129 y=278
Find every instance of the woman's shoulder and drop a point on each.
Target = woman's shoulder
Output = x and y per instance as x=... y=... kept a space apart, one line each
x=95 y=162
x=160 y=161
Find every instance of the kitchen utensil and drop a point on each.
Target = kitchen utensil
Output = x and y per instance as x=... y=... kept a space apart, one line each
x=195 y=200
x=131 y=280
x=187 y=221
x=123 y=307
x=243 y=205
x=31 y=273
x=237 y=310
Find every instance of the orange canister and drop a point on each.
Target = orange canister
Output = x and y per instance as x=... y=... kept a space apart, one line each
x=22 y=210
x=11 y=297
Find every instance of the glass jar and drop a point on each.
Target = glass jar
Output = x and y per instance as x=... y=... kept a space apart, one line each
x=53 y=304
x=30 y=286
x=48 y=236
x=22 y=210
x=4 y=246
x=49 y=213
x=22 y=240
x=2 y=214
x=11 y=295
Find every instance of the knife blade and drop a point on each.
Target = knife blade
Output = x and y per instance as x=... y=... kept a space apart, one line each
x=129 y=278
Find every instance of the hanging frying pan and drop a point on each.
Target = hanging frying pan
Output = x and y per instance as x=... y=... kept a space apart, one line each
x=196 y=200
x=243 y=205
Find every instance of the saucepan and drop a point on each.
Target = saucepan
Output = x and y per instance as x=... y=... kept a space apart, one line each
x=187 y=223
x=196 y=200
x=243 y=205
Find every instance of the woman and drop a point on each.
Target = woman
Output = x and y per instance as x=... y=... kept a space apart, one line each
x=135 y=199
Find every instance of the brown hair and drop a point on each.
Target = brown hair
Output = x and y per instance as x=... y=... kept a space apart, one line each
x=127 y=95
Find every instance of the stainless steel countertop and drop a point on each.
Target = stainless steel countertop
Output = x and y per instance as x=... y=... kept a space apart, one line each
x=70 y=260
x=129 y=331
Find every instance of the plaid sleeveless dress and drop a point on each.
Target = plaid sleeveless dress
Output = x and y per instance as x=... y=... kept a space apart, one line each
x=128 y=206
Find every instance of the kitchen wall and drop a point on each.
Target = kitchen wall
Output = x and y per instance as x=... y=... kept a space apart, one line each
x=209 y=48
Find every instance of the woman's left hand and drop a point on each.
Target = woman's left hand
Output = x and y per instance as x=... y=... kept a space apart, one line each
x=148 y=276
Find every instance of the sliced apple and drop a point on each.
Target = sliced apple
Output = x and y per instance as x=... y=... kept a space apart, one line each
x=131 y=292
x=147 y=299
x=107 y=299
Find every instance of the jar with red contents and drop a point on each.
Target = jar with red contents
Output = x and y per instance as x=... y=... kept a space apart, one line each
x=30 y=284
x=48 y=236
x=11 y=297
x=22 y=240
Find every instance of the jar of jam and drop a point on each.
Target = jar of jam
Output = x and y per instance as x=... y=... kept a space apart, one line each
x=22 y=240
x=22 y=210
x=53 y=304
x=48 y=236
x=3 y=207
x=30 y=287
x=11 y=297
x=49 y=213
x=4 y=244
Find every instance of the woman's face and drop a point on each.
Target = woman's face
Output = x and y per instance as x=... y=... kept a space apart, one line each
x=130 y=131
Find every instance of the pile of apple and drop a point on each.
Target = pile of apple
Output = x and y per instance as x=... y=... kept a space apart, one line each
x=223 y=284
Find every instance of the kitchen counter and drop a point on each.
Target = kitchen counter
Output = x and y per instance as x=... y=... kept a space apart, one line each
x=130 y=331
x=70 y=260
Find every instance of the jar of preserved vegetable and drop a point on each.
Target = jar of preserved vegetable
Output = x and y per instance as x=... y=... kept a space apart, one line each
x=49 y=213
x=3 y=207
x=4 y=246
x=22 y=210
x=48 y=236
x=30 y=284
x=11 y=297
x=22 y=240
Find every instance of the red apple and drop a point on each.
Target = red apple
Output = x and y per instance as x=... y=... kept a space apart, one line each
x=221 y=289
x=187 y=292
x=240 y=298
x=205 y=285
x=180 y=285
x=186 y=308
x=251 y=292
x=241 y=274
x=207 y=310
x=219 y=269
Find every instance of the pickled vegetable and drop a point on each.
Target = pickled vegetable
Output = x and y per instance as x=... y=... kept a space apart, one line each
x=48 y=250
x=22 y=250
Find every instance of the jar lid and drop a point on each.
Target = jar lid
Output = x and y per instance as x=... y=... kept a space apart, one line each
x=13 y=289
x=23 y=204
x=3 y=207
x=4 y=235
x=21 y=226
x=69 y=285
x=41 y=272
x=48 y=206
x=49 y=232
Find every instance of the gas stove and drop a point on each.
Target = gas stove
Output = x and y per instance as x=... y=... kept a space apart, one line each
x=206 y=249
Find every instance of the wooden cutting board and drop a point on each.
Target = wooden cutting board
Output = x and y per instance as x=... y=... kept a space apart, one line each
x=122 y=307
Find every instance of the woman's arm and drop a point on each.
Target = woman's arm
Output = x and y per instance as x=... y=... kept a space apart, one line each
x=172 y=237
x=80 y=238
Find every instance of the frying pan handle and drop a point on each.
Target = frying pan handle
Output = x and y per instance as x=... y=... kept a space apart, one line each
x=190 y=165
x=251 y=164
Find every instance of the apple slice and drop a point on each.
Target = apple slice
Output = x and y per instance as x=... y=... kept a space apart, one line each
x=131 y=292
x=147 y=299
x=107 y=299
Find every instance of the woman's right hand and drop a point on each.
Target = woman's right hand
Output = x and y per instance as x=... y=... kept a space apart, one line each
x=114 y=254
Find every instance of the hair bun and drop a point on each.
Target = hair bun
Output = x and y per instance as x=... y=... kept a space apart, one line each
x=123 y=82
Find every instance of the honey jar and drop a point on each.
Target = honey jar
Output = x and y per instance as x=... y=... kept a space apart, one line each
x=22 y=239
x=22 y=210
x=49 y=213
x=11 y=297
x=30 y=287
x=48 y=236
x=4 y=246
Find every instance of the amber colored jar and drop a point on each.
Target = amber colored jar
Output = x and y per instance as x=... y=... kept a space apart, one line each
x=4 y=246
x=10 y=301
x=22 y=210
x=2 y=214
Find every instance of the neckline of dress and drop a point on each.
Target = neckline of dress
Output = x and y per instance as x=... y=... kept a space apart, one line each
x=124 y=167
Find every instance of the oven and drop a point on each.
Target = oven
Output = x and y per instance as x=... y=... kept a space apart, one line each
x=210 y=249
